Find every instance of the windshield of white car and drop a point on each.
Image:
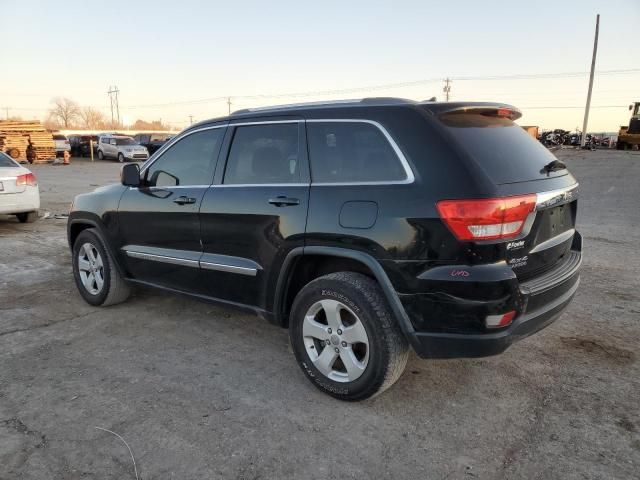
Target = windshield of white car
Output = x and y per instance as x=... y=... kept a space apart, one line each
x=126 y=141
x=5 y=161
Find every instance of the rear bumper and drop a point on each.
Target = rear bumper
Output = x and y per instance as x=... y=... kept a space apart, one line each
x=449 y=323
x=452 y=345
x=27 y=201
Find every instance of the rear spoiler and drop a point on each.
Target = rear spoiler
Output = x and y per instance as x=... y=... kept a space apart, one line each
x=487 y=109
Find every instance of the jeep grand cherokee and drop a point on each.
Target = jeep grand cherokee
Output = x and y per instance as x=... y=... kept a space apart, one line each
x=364 y=227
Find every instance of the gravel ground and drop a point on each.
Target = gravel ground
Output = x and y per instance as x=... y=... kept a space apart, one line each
x=199 y=391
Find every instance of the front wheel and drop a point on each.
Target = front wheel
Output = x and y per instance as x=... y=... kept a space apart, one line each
x=121 y=158
x=345 y=338
x=27 y=217
x=95 y=272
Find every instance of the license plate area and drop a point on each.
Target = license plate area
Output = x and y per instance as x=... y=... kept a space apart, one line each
x=555 y=221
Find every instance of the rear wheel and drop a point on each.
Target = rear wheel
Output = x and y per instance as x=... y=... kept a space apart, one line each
x=100 y=155
x=95 y=272
x=345 y=338
x=27 y=217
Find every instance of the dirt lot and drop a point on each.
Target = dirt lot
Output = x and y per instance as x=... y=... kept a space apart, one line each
x=200 y=391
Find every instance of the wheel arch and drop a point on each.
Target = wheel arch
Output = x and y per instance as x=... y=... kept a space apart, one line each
x=76 y=226
x=295 y=273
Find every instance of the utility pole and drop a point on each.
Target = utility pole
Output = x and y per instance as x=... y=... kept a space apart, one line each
x=229 y=104
x=190 y=119
x=593 y=67
x=447 y=88
x=114 y=102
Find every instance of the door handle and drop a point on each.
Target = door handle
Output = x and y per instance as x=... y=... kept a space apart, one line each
x=182 y=200
x=282 y=201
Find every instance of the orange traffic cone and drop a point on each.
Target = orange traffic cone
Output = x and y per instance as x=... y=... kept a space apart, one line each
x=66 y=158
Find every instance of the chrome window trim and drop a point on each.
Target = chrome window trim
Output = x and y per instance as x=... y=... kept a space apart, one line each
x=554 y=197
x=220 y=267
x=163 y=258
x=170 y=143
x=266 y=122
x=410 y=177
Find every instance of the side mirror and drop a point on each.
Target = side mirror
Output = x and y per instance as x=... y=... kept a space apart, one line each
x=130 y=175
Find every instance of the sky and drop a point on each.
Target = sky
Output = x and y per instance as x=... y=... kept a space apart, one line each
x=172 y=60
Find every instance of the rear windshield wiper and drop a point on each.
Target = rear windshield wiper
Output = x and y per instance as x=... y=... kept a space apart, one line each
x=553 y=166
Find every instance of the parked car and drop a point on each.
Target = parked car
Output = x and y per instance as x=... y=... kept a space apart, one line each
x=80 y=145
x=62 y=144
x=152 y=141
x=19 y=193
x=121 y=148
x=364 y=227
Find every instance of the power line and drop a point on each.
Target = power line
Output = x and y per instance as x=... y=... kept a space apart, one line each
x=387 y=86
x=114 y=90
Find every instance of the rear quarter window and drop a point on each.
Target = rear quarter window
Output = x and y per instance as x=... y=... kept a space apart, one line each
x=351 y=152
x=5 y=161
x=503 y=149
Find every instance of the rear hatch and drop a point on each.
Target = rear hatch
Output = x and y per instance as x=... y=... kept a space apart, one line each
x=518 y=165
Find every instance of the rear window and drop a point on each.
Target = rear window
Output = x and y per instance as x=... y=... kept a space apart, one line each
x=504 y=150
x=160 y=138
x=5 y=161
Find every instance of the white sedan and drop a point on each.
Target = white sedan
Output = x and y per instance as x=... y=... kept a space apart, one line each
x=19 y=193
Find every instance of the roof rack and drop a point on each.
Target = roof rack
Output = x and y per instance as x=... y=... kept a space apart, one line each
x=369 y=100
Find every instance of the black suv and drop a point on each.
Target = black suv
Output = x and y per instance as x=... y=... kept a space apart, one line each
x=363 y=227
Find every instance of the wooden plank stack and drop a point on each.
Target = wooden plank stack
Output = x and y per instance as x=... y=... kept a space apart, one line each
x=16 y=135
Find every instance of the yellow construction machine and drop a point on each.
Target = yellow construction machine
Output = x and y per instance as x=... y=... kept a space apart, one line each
x=629 y=136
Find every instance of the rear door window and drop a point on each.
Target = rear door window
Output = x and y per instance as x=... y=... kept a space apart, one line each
x=264 y=154
x=351 y=152
x=503 y=149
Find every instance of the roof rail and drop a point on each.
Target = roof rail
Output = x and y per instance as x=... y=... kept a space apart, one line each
x=368 y=100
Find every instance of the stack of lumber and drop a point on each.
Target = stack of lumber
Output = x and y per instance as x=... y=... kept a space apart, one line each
x=15 y=137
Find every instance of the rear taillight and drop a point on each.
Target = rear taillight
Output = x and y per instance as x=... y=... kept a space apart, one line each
x=26 y=179
x=487 y=218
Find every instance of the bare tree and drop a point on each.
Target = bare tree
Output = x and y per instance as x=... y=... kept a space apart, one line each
x=64 y=112
x=92 y=119
x=153 y=125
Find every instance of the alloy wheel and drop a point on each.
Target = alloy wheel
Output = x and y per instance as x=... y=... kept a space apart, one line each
x=91 y=268
x=335 y=340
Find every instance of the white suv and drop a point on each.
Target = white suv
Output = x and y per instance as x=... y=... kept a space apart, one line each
x=121 y=147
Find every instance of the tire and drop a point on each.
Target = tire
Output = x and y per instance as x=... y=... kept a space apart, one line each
x=27 y=217
x=114 y=288
x=376 y=363
x=100 y=155
x=121 y=158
